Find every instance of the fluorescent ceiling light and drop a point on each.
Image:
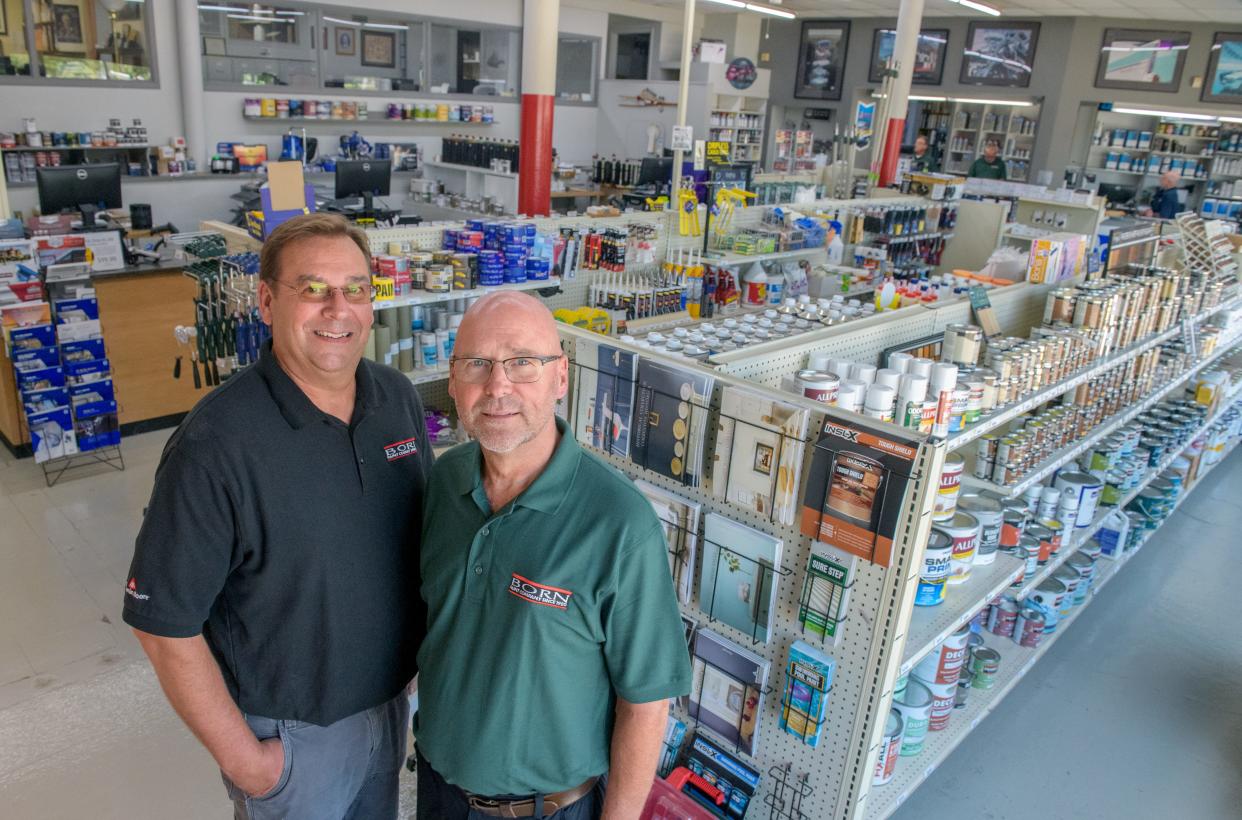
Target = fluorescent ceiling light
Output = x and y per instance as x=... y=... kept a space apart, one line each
x=1013 y=103
x=222 y=8
x=774 y=12
x=386 y=25
x=734 y=3
x=254 y=19
x=923 y=98
x=1231 y=119
x=354 y=23
x=1176 y=115
x=1144 y=48
x=971 y=4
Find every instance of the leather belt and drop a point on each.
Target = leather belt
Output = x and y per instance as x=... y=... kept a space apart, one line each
x=525 y=807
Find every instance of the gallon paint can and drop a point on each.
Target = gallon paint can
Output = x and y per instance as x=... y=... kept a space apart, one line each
x=934 y=575
x=950 y=487
x=1084 y=565
x=1087 y=489
x=963 y=529
x=890 y=749
x=944 y=695
x=1048 y=597
x=1043 y=538
x=944 y=663
x=1029 y=629
x=1071 y=579
x=1003 y=617
x=915 y=706
x=990 y=515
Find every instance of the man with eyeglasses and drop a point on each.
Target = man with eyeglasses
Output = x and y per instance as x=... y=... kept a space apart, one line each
x=274 y=584
x=554 y=639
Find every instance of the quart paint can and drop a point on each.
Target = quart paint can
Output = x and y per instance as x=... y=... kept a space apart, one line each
x=1044 y=538
x=1048 y=499
x=990 y=515
x=950 y=488
x=1084 y=565
x=963 y=529
x=1003 y=617
x=984 y=666
x=944 y=663
x=817 y=385
x=934 y=575
x=1028 y=631
x=1087 y=489
x=915 y=706
x=1013 y=525
x=944 y=695
x=890 y=749
x=1071 y=579
x=975 y=641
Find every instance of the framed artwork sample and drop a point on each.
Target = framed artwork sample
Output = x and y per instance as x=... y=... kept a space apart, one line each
x=346 y=45
x=379 y=49
x=999 y=54
x=67 y=32
x=821 y=59
x=1142 y=59
x=1223 y=83
x=928 y=57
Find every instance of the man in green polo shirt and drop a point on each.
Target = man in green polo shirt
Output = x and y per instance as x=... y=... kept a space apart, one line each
x=554 y=639
x=990 y=165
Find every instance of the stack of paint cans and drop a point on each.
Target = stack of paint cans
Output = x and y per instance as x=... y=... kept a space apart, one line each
x=914 y=701
x=939 y=672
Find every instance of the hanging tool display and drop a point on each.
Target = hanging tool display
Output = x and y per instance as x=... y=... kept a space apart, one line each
x=688 y=211
x=228 y=329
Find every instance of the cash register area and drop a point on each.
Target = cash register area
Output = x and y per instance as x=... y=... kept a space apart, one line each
x=83 y=723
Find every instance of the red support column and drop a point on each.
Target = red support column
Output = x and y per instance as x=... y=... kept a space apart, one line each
x=539 y=26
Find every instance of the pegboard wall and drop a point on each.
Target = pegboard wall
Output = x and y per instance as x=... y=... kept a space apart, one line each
x=868 y=651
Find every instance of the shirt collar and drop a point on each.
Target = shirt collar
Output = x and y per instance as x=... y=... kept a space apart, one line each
x=549 y=490
x=296 y=407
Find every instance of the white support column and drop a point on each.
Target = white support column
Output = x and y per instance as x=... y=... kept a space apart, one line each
x=683 y=98
x=190 y=69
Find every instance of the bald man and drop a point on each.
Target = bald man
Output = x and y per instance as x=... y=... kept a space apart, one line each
x=1164 y=202
x=554 y=640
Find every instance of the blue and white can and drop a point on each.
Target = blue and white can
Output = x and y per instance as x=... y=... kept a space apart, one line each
x=934 y=574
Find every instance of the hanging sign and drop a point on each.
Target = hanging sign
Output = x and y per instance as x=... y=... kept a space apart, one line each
x=864 y=119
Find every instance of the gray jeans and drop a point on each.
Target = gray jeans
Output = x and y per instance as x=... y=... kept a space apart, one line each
x=346 y=770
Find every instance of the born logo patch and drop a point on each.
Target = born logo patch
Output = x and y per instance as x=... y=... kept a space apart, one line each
x=401 y=449
x=542 y=594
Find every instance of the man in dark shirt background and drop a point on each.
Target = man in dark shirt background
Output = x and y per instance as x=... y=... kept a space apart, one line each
x=1165 y=202
x=990 y=165
x=274 y=584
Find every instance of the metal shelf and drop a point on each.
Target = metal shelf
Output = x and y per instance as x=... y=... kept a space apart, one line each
x=929 y=625
x=1016 y=661
x=425 y=298
x=728 y=259
x=469 y=169
x=369 y=120
x=1072 y=451
x=118 y=147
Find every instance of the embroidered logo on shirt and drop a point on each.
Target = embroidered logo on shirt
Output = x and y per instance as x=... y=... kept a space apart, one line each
x=131 y=589
x=401 y=449
x=543 y=594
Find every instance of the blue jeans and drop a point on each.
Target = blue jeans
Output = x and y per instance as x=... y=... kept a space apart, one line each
x=346 y=770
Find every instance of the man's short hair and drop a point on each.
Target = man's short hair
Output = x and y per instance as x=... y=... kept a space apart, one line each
x=305 y=227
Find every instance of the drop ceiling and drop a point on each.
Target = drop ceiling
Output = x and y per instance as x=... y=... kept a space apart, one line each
x=1224 y=12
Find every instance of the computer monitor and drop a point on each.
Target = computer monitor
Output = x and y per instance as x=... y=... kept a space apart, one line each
x=656 y=171
x=1116 y=194
x=366 y=178
x=84 y=188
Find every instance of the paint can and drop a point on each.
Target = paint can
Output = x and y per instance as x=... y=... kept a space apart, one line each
x=900 y=687
x=817 y=385
x=990 y=515
x=1086 y=488
x=984 y=666
x=1028 y=631
x=890 y=749
x=1047 y=597
x=934 y=575
x=1043 y=538
x=950 y=487
x=944 y=663
x=963 y=529
x=963 y=690
x=1013 y=525
x=1084 y=565
x=1060 y=533
x=915 y=706
x=943 y=697
x=1003 y=617
x=1048 y=499
x=1072 y=580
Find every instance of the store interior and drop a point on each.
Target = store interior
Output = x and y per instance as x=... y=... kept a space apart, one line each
x=983 y=253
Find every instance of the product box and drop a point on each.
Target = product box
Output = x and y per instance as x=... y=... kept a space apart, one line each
x=285 y=196
x=1111 y=160
x=854 y=490
x=737 y=782
x=1144 y=140
x=1131 y=139
x=51 y=435
x=1044 y=260
x=19 y=275
x=60 y=249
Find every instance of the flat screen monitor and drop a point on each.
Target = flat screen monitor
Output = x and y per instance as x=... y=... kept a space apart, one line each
x=363 y=177
x=79 y=187
x=656 y=171
x=1116 y=194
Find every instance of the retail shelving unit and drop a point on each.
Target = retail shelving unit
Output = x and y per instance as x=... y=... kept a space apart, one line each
x=1012 y=127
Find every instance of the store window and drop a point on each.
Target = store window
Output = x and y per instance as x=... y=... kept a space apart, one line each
x=474 y=60
x=577 y=64
x=367 y=53
x=80 y=39
x=257 y=44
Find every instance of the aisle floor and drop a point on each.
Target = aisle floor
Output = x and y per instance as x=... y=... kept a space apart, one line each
x=1133 y=713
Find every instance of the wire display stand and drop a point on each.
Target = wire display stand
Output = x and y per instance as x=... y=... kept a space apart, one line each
x=54 y=469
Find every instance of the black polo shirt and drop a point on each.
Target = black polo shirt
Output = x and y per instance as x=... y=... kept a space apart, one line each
x=289 y=540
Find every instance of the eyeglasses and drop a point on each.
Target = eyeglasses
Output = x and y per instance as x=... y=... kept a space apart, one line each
x=519 y=369
x=357 y=293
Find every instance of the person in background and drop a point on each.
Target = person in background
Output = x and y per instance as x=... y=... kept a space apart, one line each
x=922 y=161
x=990 y=165
x=274 y=584
x=1165 y=203
x=554 y=640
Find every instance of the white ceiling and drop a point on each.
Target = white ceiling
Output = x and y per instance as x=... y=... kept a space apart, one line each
x=1198 y=11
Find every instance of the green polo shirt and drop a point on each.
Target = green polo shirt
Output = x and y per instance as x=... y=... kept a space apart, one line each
x=983 y=169
x=540 y=615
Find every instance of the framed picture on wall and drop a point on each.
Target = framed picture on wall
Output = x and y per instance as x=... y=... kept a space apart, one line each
x=928 y=56
x=346 y=45
x=821 y=59
x=1000 y=54
x=1142 y=59
x=4 y=20
x=1223 y=83
x=379 y=49
x=67 y=32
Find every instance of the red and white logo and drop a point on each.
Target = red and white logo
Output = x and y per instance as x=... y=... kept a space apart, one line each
x=131 y=589
x=542 y=594
x=401 y=449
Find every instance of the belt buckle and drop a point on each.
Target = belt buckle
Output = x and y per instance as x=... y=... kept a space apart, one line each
x=476 y=802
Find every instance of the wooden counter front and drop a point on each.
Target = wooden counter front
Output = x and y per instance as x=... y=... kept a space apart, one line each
x=138 y=313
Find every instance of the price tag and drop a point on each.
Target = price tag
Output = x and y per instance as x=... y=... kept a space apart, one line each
x=683 y=138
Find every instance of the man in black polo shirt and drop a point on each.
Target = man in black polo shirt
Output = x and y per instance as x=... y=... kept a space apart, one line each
x=274 y=582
